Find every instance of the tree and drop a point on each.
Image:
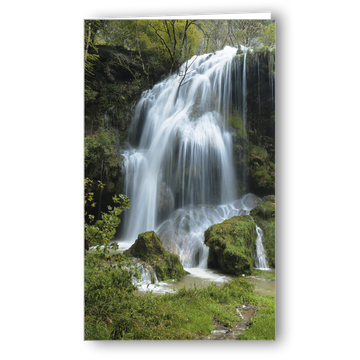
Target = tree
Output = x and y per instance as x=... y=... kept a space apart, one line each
x=211 y=30
x=174 y=35
x=249 y=33
x=90 y=54
x=102 y=231
x=246 y=32
x=169 y=42
x=267 y=35
x=90 y=51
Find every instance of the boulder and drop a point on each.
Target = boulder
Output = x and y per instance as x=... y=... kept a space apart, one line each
x=232 y=245
x=149 y=249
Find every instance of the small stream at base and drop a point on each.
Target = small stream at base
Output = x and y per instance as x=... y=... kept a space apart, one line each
x=202 y=278
x=199 y=277
x=263 y=286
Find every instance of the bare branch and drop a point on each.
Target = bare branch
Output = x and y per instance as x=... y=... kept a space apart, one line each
x=162 y=40
x=172 y=42
x=125 y=62
x=137 y=40
x=187 y=25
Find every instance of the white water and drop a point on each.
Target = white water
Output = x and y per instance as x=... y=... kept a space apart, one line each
x=260 y=256
x=185 y=150
x=197 y=276
x=182 y=167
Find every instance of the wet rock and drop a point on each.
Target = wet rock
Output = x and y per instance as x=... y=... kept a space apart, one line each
x=222 y=332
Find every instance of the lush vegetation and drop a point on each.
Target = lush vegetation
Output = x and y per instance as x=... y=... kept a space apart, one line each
x=114 y=311
x=263 y=274
x=102 y=231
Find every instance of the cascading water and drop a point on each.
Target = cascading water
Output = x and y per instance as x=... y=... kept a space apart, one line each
x=260 y=256
x=184 y=154
x=183 y=233
x=147 y=277
x=182 y=167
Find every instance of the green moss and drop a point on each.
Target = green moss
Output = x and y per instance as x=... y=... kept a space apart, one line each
x=261 y=170
x=263 y=274
x=237 y=124
x=232 y=245
x=264 y=210
x=148 y=248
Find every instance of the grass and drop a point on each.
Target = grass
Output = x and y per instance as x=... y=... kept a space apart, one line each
x=263 y=274
x=263 y=326
x=114 y=314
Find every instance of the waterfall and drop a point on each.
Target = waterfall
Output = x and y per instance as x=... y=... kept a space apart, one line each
x=260 y=257
x=179 y=170
x=184 y=153
x=244 y=89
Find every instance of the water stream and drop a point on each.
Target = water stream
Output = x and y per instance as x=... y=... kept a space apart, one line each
x=202 y=278
x=260 y=255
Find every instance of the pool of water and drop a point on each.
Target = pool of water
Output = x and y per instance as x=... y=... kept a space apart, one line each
x=263 y=286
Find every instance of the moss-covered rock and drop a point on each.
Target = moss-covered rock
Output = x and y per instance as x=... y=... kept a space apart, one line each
x=264 y=216
x=232 y=245
x=148 y=248
x=265 y=210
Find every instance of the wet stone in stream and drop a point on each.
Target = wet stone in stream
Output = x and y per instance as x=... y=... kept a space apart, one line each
x=245 y=312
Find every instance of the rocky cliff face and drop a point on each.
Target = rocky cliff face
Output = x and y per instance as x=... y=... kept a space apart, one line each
x=253 y=121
